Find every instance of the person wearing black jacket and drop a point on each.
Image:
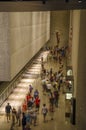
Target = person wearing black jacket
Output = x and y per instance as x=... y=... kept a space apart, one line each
x=8 y=109
x=23 y=121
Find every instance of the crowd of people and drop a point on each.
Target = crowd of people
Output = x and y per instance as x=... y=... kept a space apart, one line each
x=52 y=82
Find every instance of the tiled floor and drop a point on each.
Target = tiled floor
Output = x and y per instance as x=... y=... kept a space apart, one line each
x=59 y=122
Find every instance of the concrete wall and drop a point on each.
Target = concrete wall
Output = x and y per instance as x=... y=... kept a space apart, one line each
x=27 y=33
x=60 y=23
x=81 y=72
x=4 y=47
x=75 y=44
x=79 y=66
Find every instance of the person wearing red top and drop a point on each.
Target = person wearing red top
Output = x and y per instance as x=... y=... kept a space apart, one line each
x=37 y=102
x=24 y=106
x=28 y=97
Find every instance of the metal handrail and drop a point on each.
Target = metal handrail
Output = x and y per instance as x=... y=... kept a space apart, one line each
x=4 y=95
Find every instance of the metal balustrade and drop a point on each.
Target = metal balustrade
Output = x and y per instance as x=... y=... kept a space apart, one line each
x=13 y=84
x=4 y=95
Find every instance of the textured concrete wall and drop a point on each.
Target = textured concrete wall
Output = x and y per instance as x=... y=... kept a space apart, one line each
x=79 y=66
x=81 y=72
x=60 y=23
x=4 y=47
x=27 y=33
x=75 y=44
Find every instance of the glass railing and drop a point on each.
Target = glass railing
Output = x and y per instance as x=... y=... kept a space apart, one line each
x=13 y=84
x=4 y=95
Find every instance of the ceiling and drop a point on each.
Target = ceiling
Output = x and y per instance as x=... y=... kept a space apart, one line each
x=37 y=5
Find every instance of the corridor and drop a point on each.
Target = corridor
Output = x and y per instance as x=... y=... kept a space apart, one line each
x=32 y=76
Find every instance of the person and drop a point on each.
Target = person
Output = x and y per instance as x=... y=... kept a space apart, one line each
x=18 y=115
x=34 y=117
x=36 y=93
x=28 y=127
x=30 y=103
x=51 y=112
x=44 y=111
x=51 y=71
x=49 y=87
x=56 y=97
x=37 y=103
x=23 y=121
x=28 y=117
x=44 y=86
x=24 y=106
x=51 y=100
x=13 y=116
x=42 y=59
x=8 y=109
x=30 y=88
x=28 y=97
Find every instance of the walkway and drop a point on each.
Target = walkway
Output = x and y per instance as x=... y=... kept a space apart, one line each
x=32 y=76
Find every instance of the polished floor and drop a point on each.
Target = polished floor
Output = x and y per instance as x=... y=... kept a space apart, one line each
x=32 y=76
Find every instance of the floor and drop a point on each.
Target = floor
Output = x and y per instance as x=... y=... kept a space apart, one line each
x=60 y=122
